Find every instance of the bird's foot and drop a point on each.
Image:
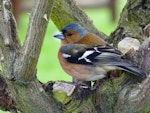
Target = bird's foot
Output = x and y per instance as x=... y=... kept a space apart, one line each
x=82 y=85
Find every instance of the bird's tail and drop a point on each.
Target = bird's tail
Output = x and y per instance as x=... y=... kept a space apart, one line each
x=132 y=69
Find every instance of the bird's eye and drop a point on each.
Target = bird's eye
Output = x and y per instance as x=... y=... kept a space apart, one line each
x=69 y=34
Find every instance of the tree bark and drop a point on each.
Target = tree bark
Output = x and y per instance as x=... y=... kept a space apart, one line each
x=23 y=92
x=19 y=63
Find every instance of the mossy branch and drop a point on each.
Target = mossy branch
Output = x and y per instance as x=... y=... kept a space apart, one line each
x=19 y=63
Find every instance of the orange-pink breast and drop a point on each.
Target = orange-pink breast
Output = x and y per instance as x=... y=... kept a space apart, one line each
x=76 y=70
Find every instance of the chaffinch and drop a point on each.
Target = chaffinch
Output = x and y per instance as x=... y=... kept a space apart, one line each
x=87 y=57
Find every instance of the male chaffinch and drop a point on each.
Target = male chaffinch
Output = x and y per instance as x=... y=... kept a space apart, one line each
x=87 y=57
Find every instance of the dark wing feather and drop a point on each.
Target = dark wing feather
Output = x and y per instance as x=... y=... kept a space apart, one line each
x=76 y=51
x=106 y=48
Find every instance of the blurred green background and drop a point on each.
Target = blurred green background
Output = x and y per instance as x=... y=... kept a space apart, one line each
x=48 y=65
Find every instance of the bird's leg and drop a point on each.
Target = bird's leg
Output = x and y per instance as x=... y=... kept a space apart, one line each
x=81 y=84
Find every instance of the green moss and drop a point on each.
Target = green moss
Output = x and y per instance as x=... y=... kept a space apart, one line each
x=80 y=106
x=145 y=110
x=61 y=97
x=60 y=21
x=109 y=93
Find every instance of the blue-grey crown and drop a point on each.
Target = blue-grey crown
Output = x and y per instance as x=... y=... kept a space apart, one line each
x=76 y=27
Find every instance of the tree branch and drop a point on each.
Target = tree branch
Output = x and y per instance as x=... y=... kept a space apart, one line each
x=6 y=102
x=133 y=19
x=9 y=42
x=72 y=14
x=26 y=62
x=29 y=98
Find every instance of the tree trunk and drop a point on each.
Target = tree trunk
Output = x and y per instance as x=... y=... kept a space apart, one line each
x=21 y=91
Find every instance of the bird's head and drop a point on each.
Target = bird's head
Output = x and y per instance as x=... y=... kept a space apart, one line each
x=72 y=33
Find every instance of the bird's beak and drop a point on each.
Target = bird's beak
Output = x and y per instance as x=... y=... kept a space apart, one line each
x=59 y=36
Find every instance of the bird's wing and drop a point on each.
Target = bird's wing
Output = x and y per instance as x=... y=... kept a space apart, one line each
x=102 y=56
x=83 y=54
